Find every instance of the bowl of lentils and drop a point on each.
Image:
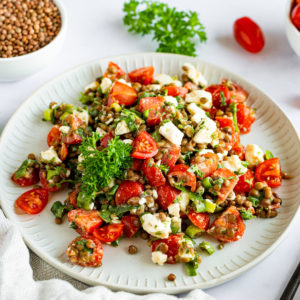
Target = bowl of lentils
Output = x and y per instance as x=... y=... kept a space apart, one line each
x=31 y=35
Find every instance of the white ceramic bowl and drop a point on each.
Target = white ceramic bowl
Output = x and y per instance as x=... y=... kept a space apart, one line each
x=19 y=67
x=293 y=34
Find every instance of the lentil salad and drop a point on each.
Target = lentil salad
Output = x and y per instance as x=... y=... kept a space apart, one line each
x=156 y=155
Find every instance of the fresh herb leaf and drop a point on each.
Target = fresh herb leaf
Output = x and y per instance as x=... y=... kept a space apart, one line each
x=83 y=244
x=195 y=169
x=233 y=109
x=245 y=163
x=86 y=99
x=23 y=168
x=223 y=100
x=58 y=209
x=164 y=168
x=255 y=201
x=107 y=211
x=246 y=214
x=249 y=181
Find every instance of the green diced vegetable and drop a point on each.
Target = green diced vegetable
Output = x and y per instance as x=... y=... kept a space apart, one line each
x=255 y=201
x=245 y=163
x=192 y=266
x=269 y=154
x=174 y=227
x=223 y=100
x=210 y=206
x=58 y=209
x=206 y=246
x=23 y=168
x=156 y=135
x=86 y=99
x=48 y=114
x=64 y=115
x=193 y=231
x=207 y=182
x=246 y=214
x=84 y=200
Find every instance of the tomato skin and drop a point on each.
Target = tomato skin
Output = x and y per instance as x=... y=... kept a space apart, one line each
x=29 y=179
x=242 y=186
x=153 y=174
x=137 y=164
x=245 y=117
x=144 y=146
x=131 y=225
x=173 y=242
x=270 y=172
x=108 y=233
x=222 y=222
x=154 y=106
x=171 y=156
x=237 y=93
x=72 y=139
x=122 y=94
x=104 y=141
x=208 y=165
x=175 y=91
x=95 y=258
x=225 y=190
x=239 y=150
x=200 y=220
x=166 y=194
x=45 y=183
x=113 y=71
x=182 y=174
x=63 y=152
x=142 y=75
x=73 y=198
x=86 y=220
x=127 y=190
x=54 y=136
x=215 y=90
x=33 y=201
x=235 y=136
x=295 y=16
x=248 y=34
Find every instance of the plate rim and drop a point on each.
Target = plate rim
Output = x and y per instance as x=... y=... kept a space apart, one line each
x=142 y=290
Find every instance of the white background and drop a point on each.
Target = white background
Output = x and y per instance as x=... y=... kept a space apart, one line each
x=95 y=30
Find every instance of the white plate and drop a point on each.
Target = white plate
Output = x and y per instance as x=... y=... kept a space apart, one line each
x=26 y=133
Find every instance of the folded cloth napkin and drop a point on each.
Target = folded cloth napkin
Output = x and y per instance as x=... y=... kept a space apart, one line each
x=16 y=281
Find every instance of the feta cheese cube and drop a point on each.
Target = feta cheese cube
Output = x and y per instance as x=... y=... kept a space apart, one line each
x=105 y=85
x=92 y=86
x=186 y=250
x=183 y=199
x=83 y=115
x=194 y=75
x=122 y=128
x=64 y=129
x=176 y=222
x=163 y=79
x=201 y=97
x=254 y=155
x=100 y=131
x=171 y=100
x=127 y=141
x=159 y=258
x=174 y=209
x=125 y=82
x=155 y=227
x=234 y=164
x=50 y=155
x=171 y=133
x=205 y=130
x=154 y=87
x=197 y=112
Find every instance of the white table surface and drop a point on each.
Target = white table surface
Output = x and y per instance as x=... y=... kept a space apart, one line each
x=95 y=30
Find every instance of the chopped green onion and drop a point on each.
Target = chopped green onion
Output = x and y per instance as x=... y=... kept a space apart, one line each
x=207 y=182
x=255 y=201
x=48 y=114
x=269 y=155
x=193 y=231
x=246 y=214
x=233 y=109
x=206 y=246
x=58 y=209
x=223 y=100
x=192 y=266
x=210 y=206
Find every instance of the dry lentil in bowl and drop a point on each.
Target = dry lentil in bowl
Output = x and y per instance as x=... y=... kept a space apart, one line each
x=156 y=155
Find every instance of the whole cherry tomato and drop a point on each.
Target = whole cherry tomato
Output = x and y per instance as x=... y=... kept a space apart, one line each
x=295 y=16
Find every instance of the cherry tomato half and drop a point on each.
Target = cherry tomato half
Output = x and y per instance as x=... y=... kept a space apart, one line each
x=270 y=172
x=26 y=177
x=127 y=190
x=131 y=225
x=246 y=182
x=176 y=91
x=54 y=136
x=108 y=233
x=144 y=146
x=153 y=174
x=237 y=93
x=104 y=141
x=72 y=139
x=63 y=152
x=245 y=117
x=180 y=174
x=207 y=163
x=113 y=71
x=143 y=75
x=46 y=184
x=166 y=194
x=220 y=95
x=122 y=94
x=171 y=156
x=200 y=220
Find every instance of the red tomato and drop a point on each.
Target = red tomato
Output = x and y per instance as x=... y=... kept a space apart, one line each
x=208 y=163
x=45 y=183
x=104 y=141
x=200 y=220
x=73 y=198
x=237 y=93
x=54 y=136
x=33 y=201
x=248 y=34
x=127 y=190
x=74 y=122
x=176 y=91
x=225 y=190
x=154 y=107
x=131 y=225
x=92 y=258
x=153 y=174
x=122 y=94
x=181 y=173
x=108 y=233
x=171 y=156
x=113 y=71
x=270 y=172
x=245 y=117
x=72 y=139
x=166 y=194
x=63 y=152
x=143 y=75
x=137 y=164
x=235 y=136
x=245 y=183
x=216 y=91
x=229 y=227
x=239 y=150
x=86 y=220
x=31 y=177
x=173 y=242
x=212 y=112
x=144 y=146
x=295 y=16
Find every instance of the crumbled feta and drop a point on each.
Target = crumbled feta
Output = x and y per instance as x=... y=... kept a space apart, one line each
x=194 y=75
x=183 y=199
x=122 y=128
x=171 y=100
x=171 y=133
x=155 y=227
x=154 y=194
x=201 y=97
x=92 y=86
x=197 y=112
x=105 y=85
x=80 y=158
x=176 y=222
x=125 y=82
x=222 y=155
x=205 y=130
x=50 y=155
x=100 y=131
x=163 y=79
x=153 y=87
x=64 y=129
x=142 y=201
x=127 y=141
x=254 y=155
x=234 y=164
x=83 y=115
x=204 y=151
x=174 y=209
x=186 y=250
x=159 y=258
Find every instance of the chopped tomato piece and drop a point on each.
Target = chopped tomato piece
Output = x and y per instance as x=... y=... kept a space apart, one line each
x=26 y=177
x=295 y=15
x=220 y=95
x=72 y=139
x=270 y=172
x=246 y=182
x=239 y=150
x=86 y=220
x=131 y=225
x=237 y=93
x=153 y=174
x=176 y=91
x=33 y=201
x=179 y=174
x=144 y=146
x=171 y=156
x=207 y=163
x=127 y=190
x=137 y=164
x=173 y=243
x=54 y=136
x=104 y=141
x=166 y=194
x=225 y=190
x=63 y=152
x=229 y=227
x=143 y=75
x=122 y=94
x=108 y=233
x=113 y=71
x=245 y=117
x=74 y=121
x=51 y=187
x=154 y=108
x=200 y=220
x=73 y=198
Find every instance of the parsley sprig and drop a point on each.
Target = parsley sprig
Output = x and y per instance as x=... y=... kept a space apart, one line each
x=174 y=31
